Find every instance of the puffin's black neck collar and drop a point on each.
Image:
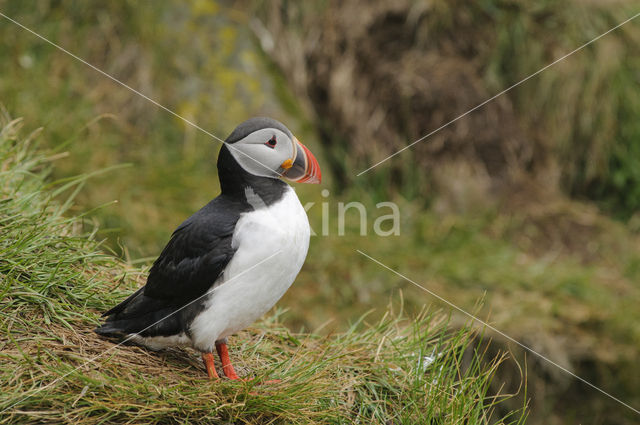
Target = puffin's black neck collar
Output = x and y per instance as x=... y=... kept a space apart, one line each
x=234 y=180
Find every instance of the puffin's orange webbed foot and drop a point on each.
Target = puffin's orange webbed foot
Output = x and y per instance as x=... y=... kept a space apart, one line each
x=227 y=367
x=207 y=358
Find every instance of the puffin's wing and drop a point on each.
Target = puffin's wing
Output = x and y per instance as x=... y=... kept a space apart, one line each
x=196 y=255
x=191 y=262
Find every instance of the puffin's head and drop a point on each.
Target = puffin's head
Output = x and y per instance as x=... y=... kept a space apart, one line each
x=265 y=147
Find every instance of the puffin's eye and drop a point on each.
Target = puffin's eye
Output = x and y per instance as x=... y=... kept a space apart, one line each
x=272 y=142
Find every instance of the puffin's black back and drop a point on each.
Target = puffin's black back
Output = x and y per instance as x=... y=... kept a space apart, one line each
x=197 y=253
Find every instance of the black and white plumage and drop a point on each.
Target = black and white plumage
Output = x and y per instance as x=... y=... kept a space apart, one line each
x=230 y=262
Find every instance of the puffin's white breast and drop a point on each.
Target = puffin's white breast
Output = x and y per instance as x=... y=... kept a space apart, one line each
x=250 y=286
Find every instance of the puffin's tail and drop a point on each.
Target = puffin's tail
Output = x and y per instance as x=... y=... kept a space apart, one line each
x=111 y=328
x=140 y=314
x=109 y=331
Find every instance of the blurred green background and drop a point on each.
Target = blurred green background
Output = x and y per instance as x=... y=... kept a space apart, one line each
x=527 y=211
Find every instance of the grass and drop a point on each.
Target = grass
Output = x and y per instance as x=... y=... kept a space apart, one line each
x=570 y=292
x=55 y=280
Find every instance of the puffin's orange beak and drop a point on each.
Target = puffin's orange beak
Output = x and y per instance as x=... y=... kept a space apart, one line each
x=303 y=168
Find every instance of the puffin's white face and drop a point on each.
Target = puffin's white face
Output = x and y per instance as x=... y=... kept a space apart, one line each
x=262 y=152
x=270 y=152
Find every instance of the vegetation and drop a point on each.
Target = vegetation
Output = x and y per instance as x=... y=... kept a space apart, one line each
x=498 y=207
x=154 y=50
x=55 y=281
x=571 y=128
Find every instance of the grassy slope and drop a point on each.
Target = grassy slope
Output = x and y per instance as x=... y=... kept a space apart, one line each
x=55 y=281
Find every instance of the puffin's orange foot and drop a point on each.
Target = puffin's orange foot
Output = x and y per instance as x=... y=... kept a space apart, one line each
x=207 y=358
x=227 y=367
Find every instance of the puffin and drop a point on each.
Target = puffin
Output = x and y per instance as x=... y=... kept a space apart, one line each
x=232 y=260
